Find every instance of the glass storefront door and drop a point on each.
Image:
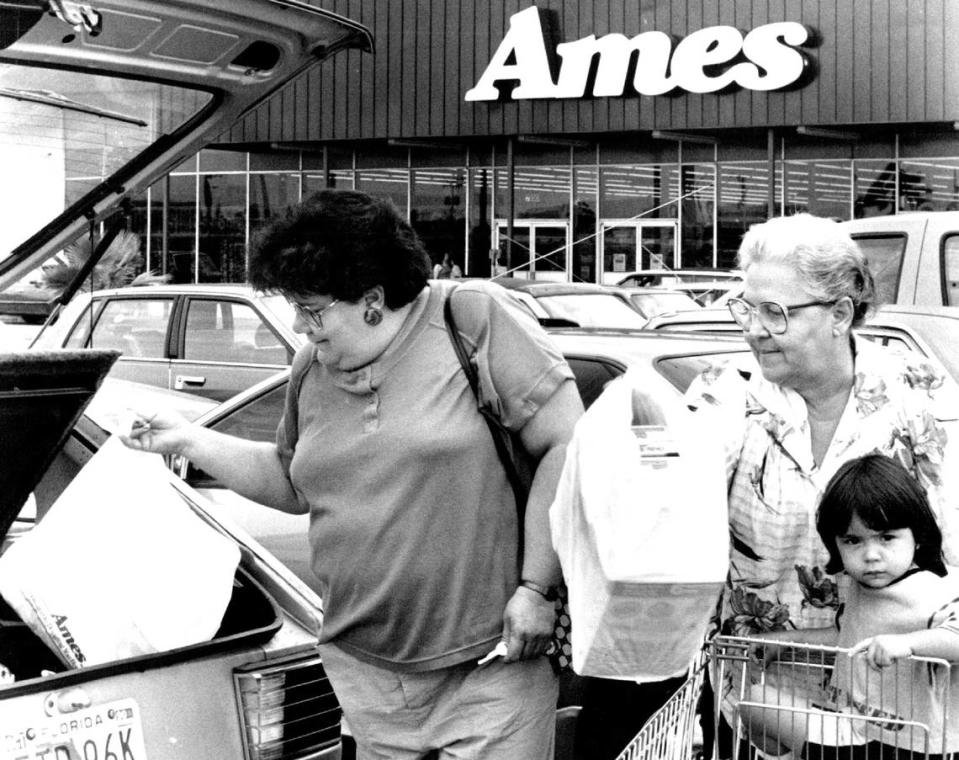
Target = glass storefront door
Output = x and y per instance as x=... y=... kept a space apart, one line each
x=628 y=245
x=539 y=250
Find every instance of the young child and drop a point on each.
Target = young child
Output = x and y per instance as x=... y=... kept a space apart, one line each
x=898 y=599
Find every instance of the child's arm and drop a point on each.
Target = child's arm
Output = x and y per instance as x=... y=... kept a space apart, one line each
x=882 y=651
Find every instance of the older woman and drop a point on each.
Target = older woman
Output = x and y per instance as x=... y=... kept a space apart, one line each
x=821 y=397
x=413 y=526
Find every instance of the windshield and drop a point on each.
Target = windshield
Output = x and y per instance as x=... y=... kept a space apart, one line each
x=63 y=132
x=593 y=310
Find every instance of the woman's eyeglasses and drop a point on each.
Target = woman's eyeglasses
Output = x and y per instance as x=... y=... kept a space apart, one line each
x=773 y=316
x=313 y=317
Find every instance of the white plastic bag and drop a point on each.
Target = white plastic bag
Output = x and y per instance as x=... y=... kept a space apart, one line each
x=120 y=566
x=642 y=540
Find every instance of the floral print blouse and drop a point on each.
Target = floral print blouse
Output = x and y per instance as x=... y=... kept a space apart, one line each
x=776 y=577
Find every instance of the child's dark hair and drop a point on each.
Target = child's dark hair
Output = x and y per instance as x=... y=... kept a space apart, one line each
x=886 y=497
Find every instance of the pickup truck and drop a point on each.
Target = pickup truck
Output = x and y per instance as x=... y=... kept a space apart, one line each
x=914 y=256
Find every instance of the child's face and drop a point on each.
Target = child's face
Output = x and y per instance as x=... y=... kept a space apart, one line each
x=875 y=558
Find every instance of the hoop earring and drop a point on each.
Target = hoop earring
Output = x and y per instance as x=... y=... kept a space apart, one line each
x=372 y=316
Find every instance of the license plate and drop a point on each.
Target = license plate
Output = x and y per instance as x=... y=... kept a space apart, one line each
x=111 y=731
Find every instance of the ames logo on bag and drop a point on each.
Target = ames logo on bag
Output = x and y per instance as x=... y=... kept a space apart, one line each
x=708 y=60
x=61 y=623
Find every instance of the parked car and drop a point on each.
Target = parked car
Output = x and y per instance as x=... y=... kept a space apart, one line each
x=99 y=101
x=652 y=301
x=933 y=331
x=576 y=303
x=702 y=285
x=913 y=255
x=213 y=340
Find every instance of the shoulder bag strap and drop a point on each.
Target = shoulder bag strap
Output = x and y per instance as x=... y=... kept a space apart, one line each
x=502 y=437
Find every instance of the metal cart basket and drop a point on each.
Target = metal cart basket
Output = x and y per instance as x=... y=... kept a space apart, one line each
x=823 y=702
x=670 y=733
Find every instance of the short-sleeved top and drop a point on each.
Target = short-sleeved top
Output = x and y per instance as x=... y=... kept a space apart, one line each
x=906 y=692
x=413 y=524
x=777 y=578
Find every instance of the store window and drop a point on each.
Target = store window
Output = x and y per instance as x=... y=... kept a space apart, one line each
x=438 y=212
x=538 y=242
x=929 y=185
x=822 y=188
x=743 y=201
x=314 y=181
x=698 y=207
x=585 y=189
x=875 y=188
x=222 y=220
x=480 y=229
x=272 y=197
x=541 y=192
x=181 y=211
x=632 y=192
x=386 y=183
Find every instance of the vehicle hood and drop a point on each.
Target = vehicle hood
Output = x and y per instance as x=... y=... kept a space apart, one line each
x=218 y=60
x=42 y=395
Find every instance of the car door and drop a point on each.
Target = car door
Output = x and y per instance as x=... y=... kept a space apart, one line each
x=224 y=345
x=138 y=326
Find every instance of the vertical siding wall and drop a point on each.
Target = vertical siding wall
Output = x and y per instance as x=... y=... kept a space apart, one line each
x=878 y=61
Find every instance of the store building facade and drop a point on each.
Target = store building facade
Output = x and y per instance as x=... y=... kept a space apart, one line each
x=579 y=140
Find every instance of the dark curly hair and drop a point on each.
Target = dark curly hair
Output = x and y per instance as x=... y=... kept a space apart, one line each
x=886 y=497
x=340 y=243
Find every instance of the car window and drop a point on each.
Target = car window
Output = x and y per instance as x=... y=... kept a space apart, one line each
x=950 y=263
x=682 y=370
x=654 y=303
x=229 y=331
x=594 y=310
x=592 y=376
x=255 y=421
x=137 y=327
x=884 y=254
x=897 y=340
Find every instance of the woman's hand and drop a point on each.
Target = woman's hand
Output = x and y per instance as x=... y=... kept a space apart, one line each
x=883 y=651
x=158 y=432
x=527 y=625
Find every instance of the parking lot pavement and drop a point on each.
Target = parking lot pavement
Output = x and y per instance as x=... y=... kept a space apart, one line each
x=15 y=335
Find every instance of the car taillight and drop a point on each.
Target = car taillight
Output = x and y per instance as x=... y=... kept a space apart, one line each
x=288 y=710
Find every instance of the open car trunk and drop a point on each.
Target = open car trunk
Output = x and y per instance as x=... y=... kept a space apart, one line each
x=265 y=644
x=42 y=396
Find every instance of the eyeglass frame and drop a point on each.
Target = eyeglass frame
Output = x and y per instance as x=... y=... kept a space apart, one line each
x=753 y=312
x=312 y=317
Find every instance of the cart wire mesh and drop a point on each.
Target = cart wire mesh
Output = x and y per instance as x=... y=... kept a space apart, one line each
x=670 y=733
x=814 y=702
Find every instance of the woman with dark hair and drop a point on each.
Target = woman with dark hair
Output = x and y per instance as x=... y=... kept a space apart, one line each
x=413 y=528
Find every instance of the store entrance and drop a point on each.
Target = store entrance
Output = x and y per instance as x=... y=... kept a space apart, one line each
x=539 y=249
x=628 y=245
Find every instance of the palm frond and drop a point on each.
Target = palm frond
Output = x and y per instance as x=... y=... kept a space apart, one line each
x=117 y=267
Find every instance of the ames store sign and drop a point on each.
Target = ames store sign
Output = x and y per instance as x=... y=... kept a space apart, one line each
x=708 y=60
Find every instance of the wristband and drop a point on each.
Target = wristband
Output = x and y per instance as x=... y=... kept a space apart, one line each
x=548 y=593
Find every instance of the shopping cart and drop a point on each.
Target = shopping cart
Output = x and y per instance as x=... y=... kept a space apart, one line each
x=810 y=700
x=670 y=734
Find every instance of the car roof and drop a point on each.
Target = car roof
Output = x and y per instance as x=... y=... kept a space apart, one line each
x=216 y=288
x=538 y=288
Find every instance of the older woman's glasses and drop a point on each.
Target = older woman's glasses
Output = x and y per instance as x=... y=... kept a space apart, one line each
x=313 y=317
x=773 y=316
